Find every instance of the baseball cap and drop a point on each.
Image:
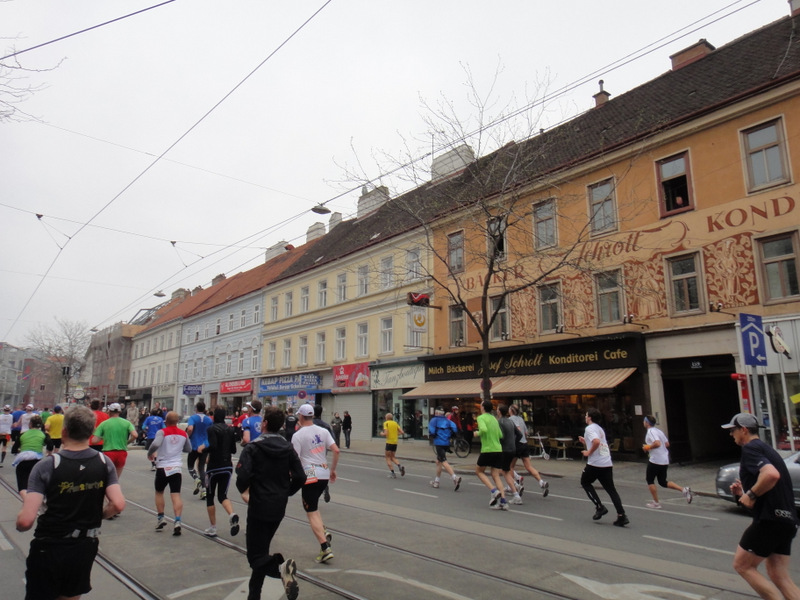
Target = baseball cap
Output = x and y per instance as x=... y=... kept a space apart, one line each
x=306 y=410
x=439 y=410
x=6 y=407
x=114 y=407
x=29 y=406
x=742 y=420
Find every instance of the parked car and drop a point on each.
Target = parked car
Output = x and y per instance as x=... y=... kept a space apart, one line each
x=729 y=473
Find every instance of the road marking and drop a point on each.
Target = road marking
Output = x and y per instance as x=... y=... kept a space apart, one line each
x=4 y=543
x=415 y=493
x=404 y=580
x=347 y=480
x=628 y=591
x=241 y=580
x=658 y=539
x=519 y=512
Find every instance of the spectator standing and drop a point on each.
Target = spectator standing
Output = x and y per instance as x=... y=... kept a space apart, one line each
x=657 y=444
x=491 y=456
x=599 y=467
x=65 y=541
x=347 y=427
x=336 y=425
x=442 y=430
x=221 y=446
x=132 y=414
x=172 y=441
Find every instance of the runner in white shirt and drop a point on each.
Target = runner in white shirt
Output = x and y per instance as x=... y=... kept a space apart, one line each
x=170 y=443
x=657 y=444
x=6 y=421
x=599 y=468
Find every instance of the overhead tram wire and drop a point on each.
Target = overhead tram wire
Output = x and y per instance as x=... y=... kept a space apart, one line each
x=160 y=156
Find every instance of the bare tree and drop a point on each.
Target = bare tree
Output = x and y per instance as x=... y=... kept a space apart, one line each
x=64 y=345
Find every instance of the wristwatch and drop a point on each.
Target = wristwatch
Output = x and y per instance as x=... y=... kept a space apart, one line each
x=752 y=495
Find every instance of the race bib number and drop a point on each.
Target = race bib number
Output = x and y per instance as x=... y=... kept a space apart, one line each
x=311 y=474
x=169 y=471
x=603 y=450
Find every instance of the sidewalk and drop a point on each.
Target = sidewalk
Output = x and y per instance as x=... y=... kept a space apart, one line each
x=700 y=477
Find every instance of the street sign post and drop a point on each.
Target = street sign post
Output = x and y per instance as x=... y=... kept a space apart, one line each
x=755 y=350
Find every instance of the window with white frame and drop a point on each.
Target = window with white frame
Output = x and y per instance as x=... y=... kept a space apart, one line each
x=341 y=287
x=196 y=337
x=206 y=329
x=683 y=283
x=363 y=280
x=230 y=322
x=321 y=342
x=455 y=251
x=496 y=237
x=243 y=318
x=288 y=304
x=458 y=328
x=766 y=155
x=549 y=307
x=254 y=365
x=273 y=309
x=196 y=370
x=413 y=337
x=609 y=297
x=147 y=346
x=205 y=369
x=340 y=340
x=257 y=313
x=161 y=341
x=287 y=353
x=217 y=366
x=414 y=264
x=387 y=335
x=362 y=339
x=387 y=272
x=241 y=361
x=272 y=352
x=152 y=376
x=169 y=346
x=228 y=362
x=674 y=183
x=779 y=267
x=544 y=224
x=166 y=373
x=322 y=293
x=602 y=206
x=304 y=295
x=219 y=327
x=501 y=329
x=302 y=350
x=158 y=374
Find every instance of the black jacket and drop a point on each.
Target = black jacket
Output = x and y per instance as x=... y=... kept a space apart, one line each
x=271 y=469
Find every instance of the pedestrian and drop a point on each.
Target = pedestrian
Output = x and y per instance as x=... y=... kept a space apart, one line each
x=268 y=472
x=336 y=425
x=764 y=487
x=25 y=419
x=197 y=430
x=169 y=443
x=491 y=456
x=347 y=427
x=53 y=425
x=221 y=446
x=116 y=433
x=6 y=422
x=455 y=417
x=657 y=444
x=523 y=453
x=16 y=428
x=251 y=424
x=442 y=431
x=311 y=442
x=32 y=445
x=290 y=424
x=238 y=417
x=132 y=414
x=95 y=443
x=326 y=493
x=391 y=431
x=65 y=541
x=509 y=441
x=151 y=426
x=599 y=467
x=469 y=428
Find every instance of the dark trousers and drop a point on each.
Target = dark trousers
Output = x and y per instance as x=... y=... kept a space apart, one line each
x=258 y=538
x=605 y=475
x=347 y=437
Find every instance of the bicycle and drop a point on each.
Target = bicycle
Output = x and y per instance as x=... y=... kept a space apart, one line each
x=458 y=445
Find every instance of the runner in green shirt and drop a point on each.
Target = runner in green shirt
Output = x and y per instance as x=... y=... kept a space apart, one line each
x=491 y=456
x=116 y=433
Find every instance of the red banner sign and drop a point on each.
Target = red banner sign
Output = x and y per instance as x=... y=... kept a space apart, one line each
x=240 y=386
x=351 y=376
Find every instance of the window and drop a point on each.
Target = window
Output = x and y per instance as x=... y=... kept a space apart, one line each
x=158 y=375
x=302 y=349
x=304 y=299
x=387 y=341
x=362 y=339
x=363 y=280
x=288 y=304
x=196 y=336
x=455 y=252
x=254 y=359
x=413 y=337
x=166 y=373
x=152 y=375
x=549 y=307
x=219 y=325
x=241 y=361
x=765 y=150
x=206 y=329
x=496 y=233
x=243 y=318
x=387 y=272
x=170 y=340
x=682 y=273
x=322 y=294
x=609 y=297
x=230 y=322
x=273 y=309
x=601 y=204
x=147 y=346
x=257 y=313
x=500 y=327
x=544 y=224
x=287 y=353
x=341 y=343
x=272 y=351
x=321 y=347
x=161 y=340
x=205 y=369
x=457 y=326
x=779 y=266
x=674 y=184
x=341 y=287
x=228 y=362
x=414 y=264
x=217 y=366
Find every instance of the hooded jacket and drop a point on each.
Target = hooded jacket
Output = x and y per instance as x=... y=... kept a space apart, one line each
x=271 y=469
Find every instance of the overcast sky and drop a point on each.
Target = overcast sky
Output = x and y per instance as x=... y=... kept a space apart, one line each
x=244 y=165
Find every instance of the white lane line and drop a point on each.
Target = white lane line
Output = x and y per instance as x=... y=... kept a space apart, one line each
x=538 y=516
x=687 y=544
x=347 y=480
x=415 y=493
x=5 y=544
x=213 y=584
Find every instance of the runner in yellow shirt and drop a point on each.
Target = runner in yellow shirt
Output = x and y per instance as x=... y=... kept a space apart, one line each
x=53 y=426
x=390 y=431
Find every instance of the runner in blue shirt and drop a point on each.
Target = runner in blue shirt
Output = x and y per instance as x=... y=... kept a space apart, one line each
x=151 y=426
x=197 y=430
x=251 y=426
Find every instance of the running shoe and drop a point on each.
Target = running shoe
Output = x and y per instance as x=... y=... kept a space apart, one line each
x=601 y=510
x=392 y=475
x=434 y=484
x=197 y=485
x=495 y=497
x=328 y=536
x=210 y=531
x=503 y=504
x=152 y=465
x=516 y=500
x=653 y=505
x=520 y=488
x=161 y=523
x=457 y=483
x=288 y=570
x=203 y=494
x=326 y=494
x=545 y=487
x=402 y=470
x=324 y=555
x=621 y=521
x=688 y=494
x=176 y=530
x=234 y=523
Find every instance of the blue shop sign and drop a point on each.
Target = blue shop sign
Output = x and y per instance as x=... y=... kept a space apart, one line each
x=192 y=390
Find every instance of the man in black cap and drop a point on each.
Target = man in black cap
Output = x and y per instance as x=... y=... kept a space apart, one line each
x=765 y=488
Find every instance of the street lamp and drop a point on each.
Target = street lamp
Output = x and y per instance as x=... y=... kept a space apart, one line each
x=65 y=372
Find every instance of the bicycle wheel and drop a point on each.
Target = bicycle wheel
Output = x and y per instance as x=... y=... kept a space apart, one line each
x=462 y=448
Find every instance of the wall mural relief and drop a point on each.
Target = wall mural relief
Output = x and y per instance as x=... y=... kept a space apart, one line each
x=731 y=278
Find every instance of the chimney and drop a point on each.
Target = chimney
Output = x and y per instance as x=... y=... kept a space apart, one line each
x=371 y=201
x=218 y=279
x=602 y=96
x=197 y=290
x=335 y=219
x=180 y=293
x=691 y=54
x=317 y=230
x=794 y=7
x=275 y=250
x=451 y=162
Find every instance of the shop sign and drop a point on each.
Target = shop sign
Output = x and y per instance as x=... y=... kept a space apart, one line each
x=239 y=386
x=389 y=378
x=192 y=390
x=269 y=385
x=352 y=377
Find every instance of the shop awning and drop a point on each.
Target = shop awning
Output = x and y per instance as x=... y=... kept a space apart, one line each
x=454 y=388
x=576 y=382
